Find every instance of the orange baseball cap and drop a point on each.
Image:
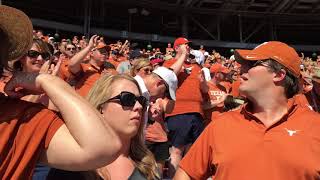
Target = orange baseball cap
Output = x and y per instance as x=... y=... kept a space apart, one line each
x=215 y=68
x=179 y=41
x=275 y=50
x=103 y=46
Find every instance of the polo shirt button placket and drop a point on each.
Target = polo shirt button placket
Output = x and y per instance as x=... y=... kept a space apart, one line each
x=267 y=135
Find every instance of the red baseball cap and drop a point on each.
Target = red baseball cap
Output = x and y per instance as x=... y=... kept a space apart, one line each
x=179 y=41
x=275 y=50
x=156 y=60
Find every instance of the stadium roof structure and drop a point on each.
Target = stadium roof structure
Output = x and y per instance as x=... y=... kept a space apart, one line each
x=224 y=23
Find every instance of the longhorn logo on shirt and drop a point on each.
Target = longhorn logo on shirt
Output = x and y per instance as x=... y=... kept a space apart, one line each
x=291 y=132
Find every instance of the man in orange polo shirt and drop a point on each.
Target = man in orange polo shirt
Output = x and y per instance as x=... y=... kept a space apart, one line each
x=87 y=74
x=185 y=123
x=271 y=137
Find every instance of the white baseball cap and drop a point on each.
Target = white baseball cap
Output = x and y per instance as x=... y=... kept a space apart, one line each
x=198 y=56
x=170 y=78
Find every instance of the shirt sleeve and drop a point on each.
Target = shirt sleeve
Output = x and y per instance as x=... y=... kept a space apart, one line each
x=197 y=162
x=169 y=63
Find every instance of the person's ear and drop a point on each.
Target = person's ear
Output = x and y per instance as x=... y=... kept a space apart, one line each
x=160 y=82
x=176 y=48
x=279 y=76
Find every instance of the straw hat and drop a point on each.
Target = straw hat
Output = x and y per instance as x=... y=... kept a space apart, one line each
x=17 y=29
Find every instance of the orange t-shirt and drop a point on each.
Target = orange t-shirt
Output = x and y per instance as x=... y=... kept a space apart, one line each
x=215 y=93
x=86 y=79
x=26 y=129
x=238 y=146
x=188 y=95
x=156 y=132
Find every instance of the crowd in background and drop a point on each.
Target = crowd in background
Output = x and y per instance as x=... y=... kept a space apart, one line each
x=162 y=87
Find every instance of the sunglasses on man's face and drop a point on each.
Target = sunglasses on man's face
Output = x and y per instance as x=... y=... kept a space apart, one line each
x=71 y=49
x=128 y=99
x=35 y=54
x=246 y=65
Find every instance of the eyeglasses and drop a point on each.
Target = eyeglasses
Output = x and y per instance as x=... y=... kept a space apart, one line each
x=71 y=49
x=146 y=70
x=35 y=54
x=251 y=64
x=128 y=99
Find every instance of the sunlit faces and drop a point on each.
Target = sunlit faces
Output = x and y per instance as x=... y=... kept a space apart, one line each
x=158 y=88
x=144 y=71
x=100 y=55
x=70 y=50
x=123 y=119
x=34 y=59
x=255 y=78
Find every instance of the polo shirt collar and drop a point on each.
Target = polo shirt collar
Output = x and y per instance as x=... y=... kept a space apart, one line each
x=246 y=110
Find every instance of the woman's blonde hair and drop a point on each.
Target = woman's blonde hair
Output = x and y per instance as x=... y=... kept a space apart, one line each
x=142 y=157
x=139 y=63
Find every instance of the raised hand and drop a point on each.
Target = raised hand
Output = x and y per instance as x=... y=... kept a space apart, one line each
x=184 y=49
x=93 y=41
x=49 y=68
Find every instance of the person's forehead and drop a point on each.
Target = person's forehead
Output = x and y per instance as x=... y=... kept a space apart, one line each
x=124 y=85
x=102 y=50
x=35 y=46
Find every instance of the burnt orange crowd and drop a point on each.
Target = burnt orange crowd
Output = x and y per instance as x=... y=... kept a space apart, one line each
x=85 y=108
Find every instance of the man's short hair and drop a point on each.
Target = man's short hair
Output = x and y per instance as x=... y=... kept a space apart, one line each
x=291 y=82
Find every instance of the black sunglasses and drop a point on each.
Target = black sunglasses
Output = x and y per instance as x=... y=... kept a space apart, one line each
x=35 y=54
x=251 y=64
x=128 y=99
x=69 y=49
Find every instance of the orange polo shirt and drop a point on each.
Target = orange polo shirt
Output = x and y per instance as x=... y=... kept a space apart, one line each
x=188 y=95
x=309 y=100
x=238 y=146
x=235 y=88
x=86 y=79
x=26 y=130
x=64 y=72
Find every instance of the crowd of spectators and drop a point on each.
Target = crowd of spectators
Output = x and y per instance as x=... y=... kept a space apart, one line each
x=165 y=98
